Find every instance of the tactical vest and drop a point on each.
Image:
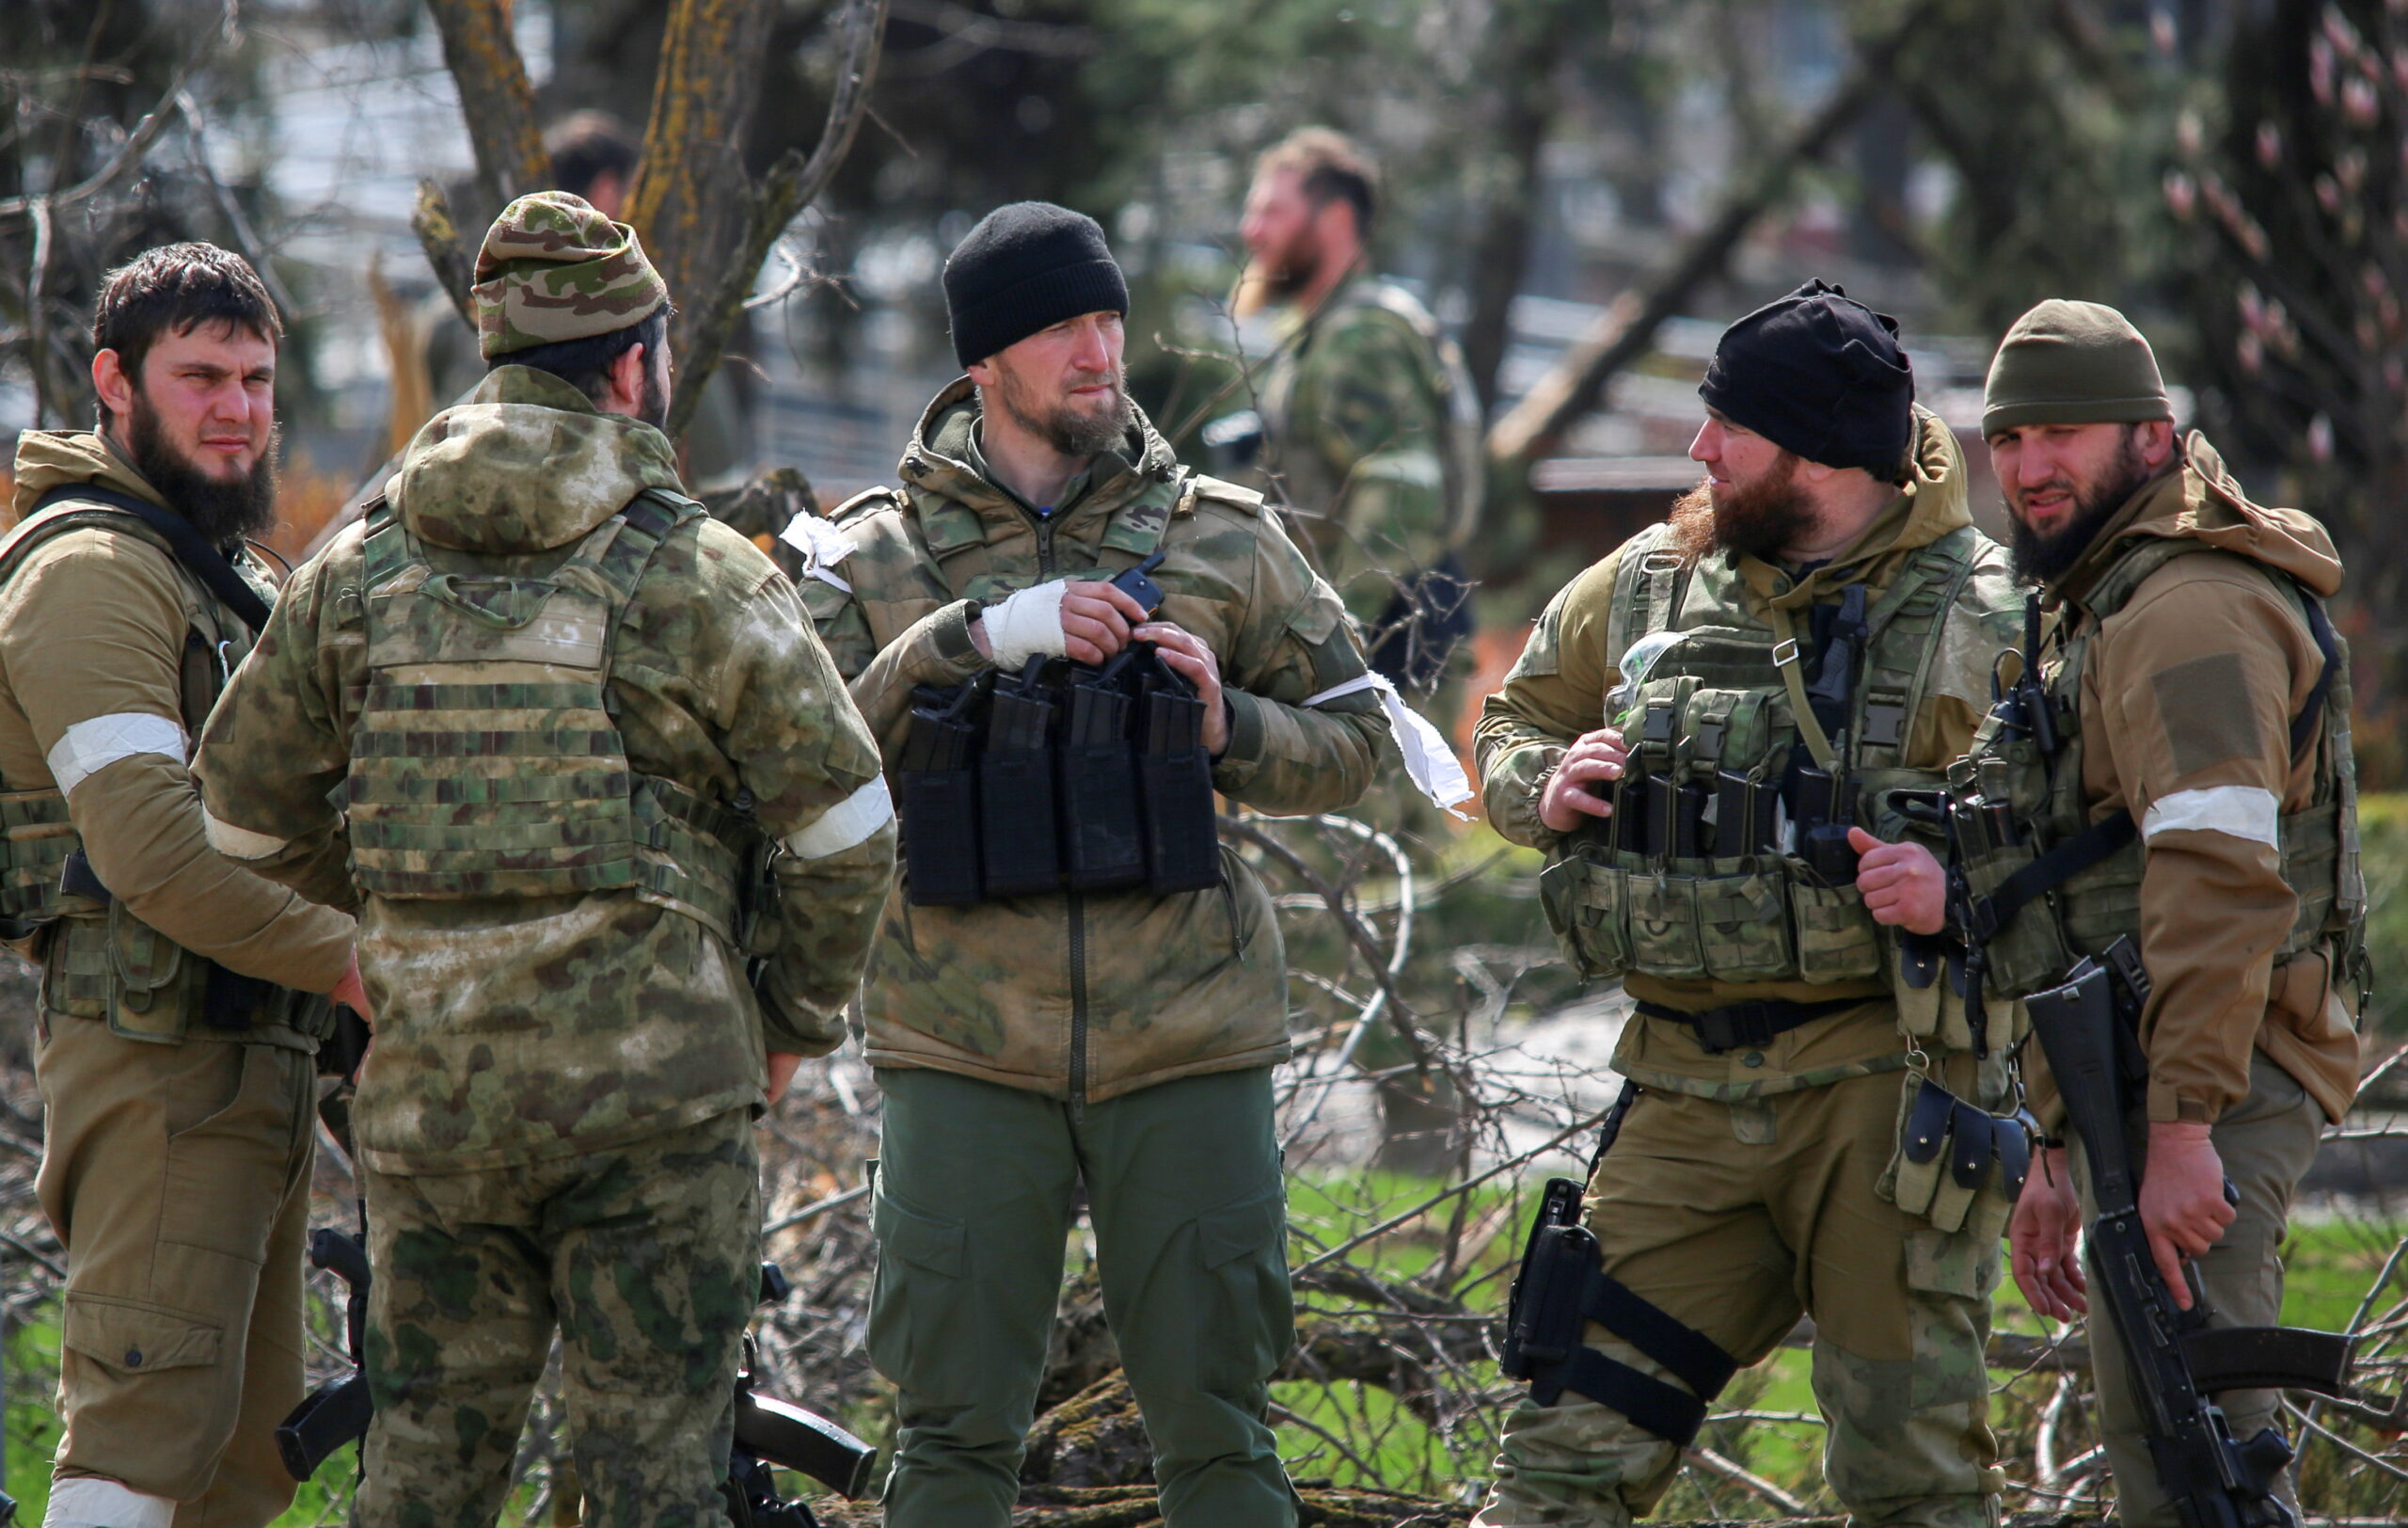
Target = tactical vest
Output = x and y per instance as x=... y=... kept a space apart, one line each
x=2044 y=886
x=1718 y=860
x=487 y=761
x=98 y=959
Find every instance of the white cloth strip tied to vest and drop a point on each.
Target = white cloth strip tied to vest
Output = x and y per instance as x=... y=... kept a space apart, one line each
x=822 y=547
x=1436 y=772
x=87 y=747
x=848 y=823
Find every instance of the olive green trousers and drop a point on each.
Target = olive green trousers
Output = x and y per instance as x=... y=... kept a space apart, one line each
x=178 y=1177
x=976 y=1186
x=2267 y=1141
x=1734 y=1219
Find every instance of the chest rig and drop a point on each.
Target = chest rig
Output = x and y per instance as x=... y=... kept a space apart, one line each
x=1726 y=855
x=487 y=761
x=99 y=959
x=2037 y=884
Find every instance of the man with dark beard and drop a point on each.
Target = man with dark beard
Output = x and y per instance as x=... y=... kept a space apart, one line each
x=180 y=1007
x=1118 y=1041
x=2209 y=704
x=1712 y=733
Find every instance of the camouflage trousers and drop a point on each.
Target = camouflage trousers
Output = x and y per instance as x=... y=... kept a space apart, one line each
x=647 y=1261
x=1735 y=1219
x=2267 y=1141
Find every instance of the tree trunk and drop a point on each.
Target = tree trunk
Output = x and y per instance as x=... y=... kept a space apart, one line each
x=495 y=97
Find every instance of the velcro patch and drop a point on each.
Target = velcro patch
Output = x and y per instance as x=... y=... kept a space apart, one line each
x=2207 y=710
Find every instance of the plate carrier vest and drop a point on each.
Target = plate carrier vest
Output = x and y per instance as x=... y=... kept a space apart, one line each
x=487 y=761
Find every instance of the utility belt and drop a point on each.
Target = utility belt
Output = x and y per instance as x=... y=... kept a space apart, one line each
x=1739 y=1025
x=107 y=964
x=1063 y=777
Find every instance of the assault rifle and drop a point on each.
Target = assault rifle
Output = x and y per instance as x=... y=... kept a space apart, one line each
x=771 y=1432
x=2177 y=1360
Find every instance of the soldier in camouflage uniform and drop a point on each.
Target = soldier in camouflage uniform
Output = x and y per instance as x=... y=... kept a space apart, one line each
x=590 y=763
x=1122 y=1042
x=1369 y=426
x=178 y=1019
x=1831 y=612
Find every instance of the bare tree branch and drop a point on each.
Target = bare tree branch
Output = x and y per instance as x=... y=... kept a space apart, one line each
x=495 y=97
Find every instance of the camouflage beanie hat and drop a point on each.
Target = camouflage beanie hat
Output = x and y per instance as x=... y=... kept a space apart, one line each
x=552 y=268
x=2072 y=363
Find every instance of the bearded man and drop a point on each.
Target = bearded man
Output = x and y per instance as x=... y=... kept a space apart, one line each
x=1118 y=1042
x=1712 y=733
x=180 y=1010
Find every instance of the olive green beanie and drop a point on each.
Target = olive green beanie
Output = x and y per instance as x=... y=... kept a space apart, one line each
x=2072 y=363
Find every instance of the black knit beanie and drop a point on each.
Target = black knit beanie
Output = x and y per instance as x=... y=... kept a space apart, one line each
x=1026 y=267
x=1821 y=375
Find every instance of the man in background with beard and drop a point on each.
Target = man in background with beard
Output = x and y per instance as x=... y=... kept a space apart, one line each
x=180 y=1008
x=1119 y=1042
x=1714 y=824
x=2212 y=698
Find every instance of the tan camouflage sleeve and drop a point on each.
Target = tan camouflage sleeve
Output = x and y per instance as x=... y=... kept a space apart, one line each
x=1555 y=692
x=1364 y=406
x=93 y=650
x=1295 y=642
x=801 y=747
x=278 y=742
x=935 y=650
x=2197 y=685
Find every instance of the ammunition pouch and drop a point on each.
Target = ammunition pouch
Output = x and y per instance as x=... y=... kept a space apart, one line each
x=1957 y=1164
x=1063 y=777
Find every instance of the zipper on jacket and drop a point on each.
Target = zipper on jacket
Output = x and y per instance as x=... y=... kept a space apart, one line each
x=1078 y=1007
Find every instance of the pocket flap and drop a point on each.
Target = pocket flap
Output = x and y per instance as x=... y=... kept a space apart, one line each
x=1236 y=1230
x=920 y=1238
x=130 y=1337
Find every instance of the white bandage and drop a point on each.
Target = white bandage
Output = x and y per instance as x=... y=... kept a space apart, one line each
x=1435 y=770
x=88 y=1501
x=237 y=843
x=822 y=547
x=88 y=747
x=848 y=823
x=2248 y=812
x=1027 y=625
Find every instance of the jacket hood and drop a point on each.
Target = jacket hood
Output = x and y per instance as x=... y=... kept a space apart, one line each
x=1931 y=503
x=2202 y=502
x=526 y=464
x=48 y=459
x=939 y=460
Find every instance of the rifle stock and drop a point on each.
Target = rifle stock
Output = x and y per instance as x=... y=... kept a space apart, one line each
x=2213 y=1481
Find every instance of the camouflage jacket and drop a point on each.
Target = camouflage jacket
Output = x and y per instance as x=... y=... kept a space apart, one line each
x=1371 y=429
x=1120 y=991
x=513 y=1029
x=1557 y=692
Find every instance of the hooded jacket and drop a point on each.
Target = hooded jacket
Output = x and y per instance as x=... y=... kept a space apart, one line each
x=93 y=635
x=2186 y=706
x=1557 y=693
x=518 y=1029
x=1086 y=996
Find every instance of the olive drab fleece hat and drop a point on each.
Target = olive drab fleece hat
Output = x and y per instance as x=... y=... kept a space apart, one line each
x=1026 y=267
x=2072 y=363
x=552 y=268
x=1821 y=375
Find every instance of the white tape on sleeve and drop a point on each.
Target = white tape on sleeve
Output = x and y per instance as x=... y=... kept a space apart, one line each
x=1435 y=770
x=2248 y=812
x=848 y=823
x=90 y=746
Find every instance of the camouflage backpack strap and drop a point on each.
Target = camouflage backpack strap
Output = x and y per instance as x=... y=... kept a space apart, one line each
x=690 y=850
x=1903 y=632
x=1648 y=584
